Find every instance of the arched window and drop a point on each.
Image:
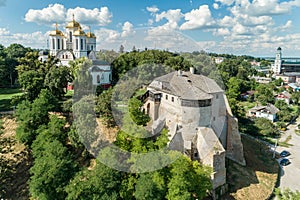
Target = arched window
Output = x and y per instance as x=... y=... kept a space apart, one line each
x=98 y=78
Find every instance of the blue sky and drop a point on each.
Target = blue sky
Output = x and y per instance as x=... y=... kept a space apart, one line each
x=252 y=27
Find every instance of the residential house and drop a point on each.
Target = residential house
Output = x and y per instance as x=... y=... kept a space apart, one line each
x=285 y=96
x=269 y=112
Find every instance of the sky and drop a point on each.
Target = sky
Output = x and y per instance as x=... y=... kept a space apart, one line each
x=242 y=27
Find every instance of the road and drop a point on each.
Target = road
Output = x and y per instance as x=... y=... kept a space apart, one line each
x=291 y=173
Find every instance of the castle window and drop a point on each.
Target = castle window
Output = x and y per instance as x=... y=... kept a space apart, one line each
x=214 y=118
x=166 y=97
x=172 y=99
x=196 y=155
x=217 y=96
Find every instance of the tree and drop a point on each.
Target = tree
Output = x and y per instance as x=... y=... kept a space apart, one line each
x=51 y=172
x=30 y=116
x=135 y=112
x=264 y=94
x=32 y=82
x=104 y=107
x=57 y=80
x=287 y=194
x=266 y=128
x=101 y=182
x=188 y=180
x=150 y=186
x=13 y=53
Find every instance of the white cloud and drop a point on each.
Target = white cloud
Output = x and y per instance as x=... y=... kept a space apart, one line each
x=288 y=25
x=53 y=13
x=100 y=17
x=4 y=32
x=264 y=7
x=58 y=13
x=221 y=32
x=173 y=17
x=33 y=40
x=216 y=6
x=127 y=30
x=198 y=18
x=107 y=35
x=152 y=9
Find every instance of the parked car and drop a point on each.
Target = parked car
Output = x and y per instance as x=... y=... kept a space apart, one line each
x=285 y=162
x=285 y=153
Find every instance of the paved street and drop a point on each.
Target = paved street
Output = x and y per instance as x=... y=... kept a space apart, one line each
x=291 y=173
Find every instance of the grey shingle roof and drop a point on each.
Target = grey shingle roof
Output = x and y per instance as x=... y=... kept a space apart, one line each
x=187 y=86
x=270 y=108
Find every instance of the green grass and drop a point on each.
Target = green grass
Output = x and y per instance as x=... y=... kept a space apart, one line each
x=247 y=105
x=6 y=94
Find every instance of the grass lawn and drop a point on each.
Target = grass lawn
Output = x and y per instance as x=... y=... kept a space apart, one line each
x=6 y=95
x=258 y=178
x=247 y=105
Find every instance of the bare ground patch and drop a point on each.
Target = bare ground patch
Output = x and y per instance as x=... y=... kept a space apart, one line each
x=258 y=178
x=15 y=162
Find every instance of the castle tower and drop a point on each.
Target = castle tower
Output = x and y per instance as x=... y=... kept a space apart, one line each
x=56 y=39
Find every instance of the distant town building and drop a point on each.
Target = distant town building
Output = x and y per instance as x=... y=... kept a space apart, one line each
x=269 y=112
x=286 y=78
x=282 y=65
x=74 y=44
x=219 y=60
x=197 y=114
x=260 y=79
x=295 y=86
x=284 y=96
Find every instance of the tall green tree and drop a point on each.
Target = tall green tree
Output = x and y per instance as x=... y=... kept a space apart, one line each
x=188 y=180
x=32 y=115
x=13 y=53
x=51 y=172
x=101 y=182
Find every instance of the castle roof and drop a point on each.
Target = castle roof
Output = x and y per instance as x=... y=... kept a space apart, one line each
x=186 y=85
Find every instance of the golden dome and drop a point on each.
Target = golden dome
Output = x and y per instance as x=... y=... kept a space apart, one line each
x=90 y=35
x=79 y=32
x=56 y=32
x=73 y=24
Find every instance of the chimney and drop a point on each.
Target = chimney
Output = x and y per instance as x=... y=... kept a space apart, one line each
x=192 y=70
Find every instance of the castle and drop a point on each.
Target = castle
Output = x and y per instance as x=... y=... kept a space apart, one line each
x=197 y=114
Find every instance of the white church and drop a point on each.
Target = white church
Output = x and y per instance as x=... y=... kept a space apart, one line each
x=74 y=44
